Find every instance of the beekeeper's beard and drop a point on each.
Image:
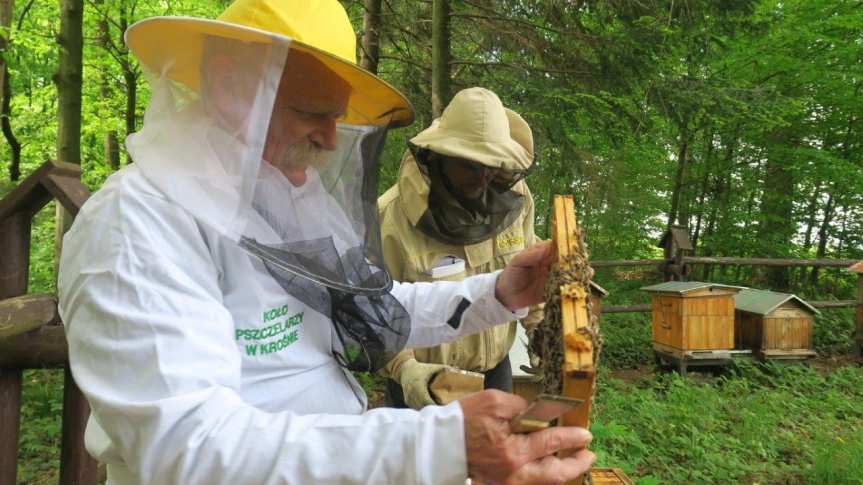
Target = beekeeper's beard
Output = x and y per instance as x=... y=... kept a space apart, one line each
x=295 y=159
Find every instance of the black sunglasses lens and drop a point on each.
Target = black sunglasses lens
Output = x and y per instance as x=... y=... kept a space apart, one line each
x=505 y=180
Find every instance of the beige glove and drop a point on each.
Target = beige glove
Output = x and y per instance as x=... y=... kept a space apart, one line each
x=534 y=367
x=415 y=378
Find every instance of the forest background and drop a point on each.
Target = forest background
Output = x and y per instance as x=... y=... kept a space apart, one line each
x=740 y=119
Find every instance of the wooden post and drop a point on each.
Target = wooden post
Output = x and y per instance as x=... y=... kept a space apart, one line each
x=668 y=251
x=859 y=336
x=679 y=269
x=61 y=181
x=76 y=465
x=14 y=266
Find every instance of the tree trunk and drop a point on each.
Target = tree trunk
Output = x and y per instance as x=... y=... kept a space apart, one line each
x=708 y=155
x=811 y=211
x=6 y=9
x=682 y=160
x=130 y=75
x=719 y=207
x=824 y=233
x=6 y=114
x=71 y=43
x=440 y=56
x=777 y=204
x=111 y=146
x=843 y=233
x=371 y=36
x=111 y=149
x=748 y=223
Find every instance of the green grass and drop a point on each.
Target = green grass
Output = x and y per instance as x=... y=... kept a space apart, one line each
x=772 y=424
x=627 y=341
x=759 y=424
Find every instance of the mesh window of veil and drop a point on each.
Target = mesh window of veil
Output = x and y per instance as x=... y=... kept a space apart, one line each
x=215 y=147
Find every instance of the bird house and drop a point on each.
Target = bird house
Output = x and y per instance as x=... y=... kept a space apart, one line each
x=675 y=239
x=676 y=245
x=773 y=325
x=597 y=293
x=692 y=316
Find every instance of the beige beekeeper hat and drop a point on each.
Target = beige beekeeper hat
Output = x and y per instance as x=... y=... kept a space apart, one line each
x=318 y=27
x=476 y=126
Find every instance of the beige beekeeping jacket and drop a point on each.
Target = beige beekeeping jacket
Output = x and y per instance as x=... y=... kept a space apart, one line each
x=409 y=255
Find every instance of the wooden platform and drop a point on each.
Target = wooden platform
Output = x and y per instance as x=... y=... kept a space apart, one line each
x=781 y=354
x=682 y=359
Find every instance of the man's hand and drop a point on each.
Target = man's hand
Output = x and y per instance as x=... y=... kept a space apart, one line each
x=497 y=456
x=522 y=282
x=415 y=378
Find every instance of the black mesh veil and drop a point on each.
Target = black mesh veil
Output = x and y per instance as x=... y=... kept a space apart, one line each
x=336 y=268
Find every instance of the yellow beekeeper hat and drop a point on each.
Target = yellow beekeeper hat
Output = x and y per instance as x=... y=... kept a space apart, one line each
x=318 y=27
x=475 y=126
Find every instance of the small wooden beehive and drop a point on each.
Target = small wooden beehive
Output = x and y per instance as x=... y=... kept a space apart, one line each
x=528 y=385
x=692 y=316
x=773 y=325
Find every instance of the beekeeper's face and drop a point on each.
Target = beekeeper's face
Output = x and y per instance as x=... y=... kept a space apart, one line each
x=302 y=133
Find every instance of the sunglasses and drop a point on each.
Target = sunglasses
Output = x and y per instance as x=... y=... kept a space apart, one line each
x=501 y=179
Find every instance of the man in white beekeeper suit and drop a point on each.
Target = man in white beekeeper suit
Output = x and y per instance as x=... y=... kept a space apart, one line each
x=218 y=292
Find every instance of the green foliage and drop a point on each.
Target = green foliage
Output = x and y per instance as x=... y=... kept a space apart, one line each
x=779 y=425
x=627 y=342
x=833 y=332
x=837 y=459
x=42 y=279
x=41 y=409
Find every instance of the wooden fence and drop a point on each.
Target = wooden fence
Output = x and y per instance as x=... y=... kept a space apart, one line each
x=678 y=263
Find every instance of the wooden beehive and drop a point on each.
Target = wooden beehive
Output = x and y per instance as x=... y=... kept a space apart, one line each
x=692 y=316
x=609 y=476
x=773 y=325
x=528 y=385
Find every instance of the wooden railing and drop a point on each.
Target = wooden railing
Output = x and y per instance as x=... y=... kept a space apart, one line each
x=31 y=335
x=678 y=264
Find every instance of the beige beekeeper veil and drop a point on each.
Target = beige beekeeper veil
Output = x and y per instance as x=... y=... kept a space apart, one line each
x=262 y=126
x=477 y=132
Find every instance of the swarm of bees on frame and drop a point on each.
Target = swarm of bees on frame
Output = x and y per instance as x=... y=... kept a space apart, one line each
x=546 y=340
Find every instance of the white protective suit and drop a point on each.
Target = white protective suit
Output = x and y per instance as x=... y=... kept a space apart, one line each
x=200 y=362
x=205 y=371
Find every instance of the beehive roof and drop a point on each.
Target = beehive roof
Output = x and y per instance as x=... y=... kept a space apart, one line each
x=681 y=287
x=856 y=267
x=762 y=302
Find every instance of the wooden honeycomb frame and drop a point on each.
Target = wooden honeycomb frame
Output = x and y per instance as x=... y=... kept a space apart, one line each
x=579 y=334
